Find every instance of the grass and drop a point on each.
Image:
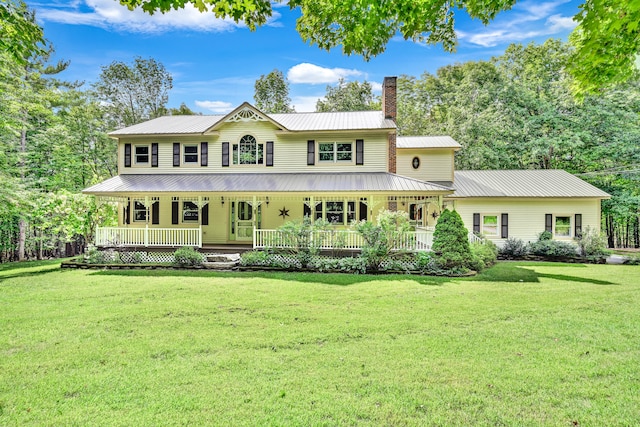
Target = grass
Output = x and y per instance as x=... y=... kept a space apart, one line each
x=522 y=344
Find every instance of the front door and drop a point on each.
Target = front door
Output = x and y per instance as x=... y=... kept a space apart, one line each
x=242 y=221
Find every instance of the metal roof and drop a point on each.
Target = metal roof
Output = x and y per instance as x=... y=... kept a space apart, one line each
x=263 y=182
x=171 y=125
x=426 y=142
x=522 y=183
x=346 y=120
x=296 y=122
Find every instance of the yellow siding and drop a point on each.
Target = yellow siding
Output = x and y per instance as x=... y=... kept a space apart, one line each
x=435 y=164
x=527 y=216
x=290 y=151
x=218 y=229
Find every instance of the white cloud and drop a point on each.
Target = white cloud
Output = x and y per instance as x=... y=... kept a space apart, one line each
x=313 y=74
x=112 y=15
x=529 y=19
x=376 y=87
x=218 y=107
x=305 y=104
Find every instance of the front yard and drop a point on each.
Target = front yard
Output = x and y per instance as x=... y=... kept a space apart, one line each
x=520 y=344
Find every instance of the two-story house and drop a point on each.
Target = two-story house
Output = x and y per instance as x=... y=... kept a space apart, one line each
x=223 y=179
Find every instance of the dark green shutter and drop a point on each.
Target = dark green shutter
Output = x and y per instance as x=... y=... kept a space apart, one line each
x=154 y=155
x=476 y=223
x=155 y=213
x=363 y=212
x=578 y=225
x=548 y=223
x=175 y=212
x=127 y=212
x=311 y=152
x=269 y=153
x=359 y=152
x=504 y=226
x=176 y=154
x=225 y=154
x=204 y=154
x=205 y=214
x=127 y=155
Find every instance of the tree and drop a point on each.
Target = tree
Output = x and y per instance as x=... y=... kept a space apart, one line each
x=606 y=37
x=606 y=44
x=134 y=93
x=182 y=110
x=272 y=93
x=348 y=96
x=451 y=242
x=20 y=35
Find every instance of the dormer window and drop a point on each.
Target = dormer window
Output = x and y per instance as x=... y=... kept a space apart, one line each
x=248 y=152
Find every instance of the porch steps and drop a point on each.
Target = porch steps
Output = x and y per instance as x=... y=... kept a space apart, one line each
x=223 y=262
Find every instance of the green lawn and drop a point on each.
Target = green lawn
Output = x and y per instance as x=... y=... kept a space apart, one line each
x=523 y=344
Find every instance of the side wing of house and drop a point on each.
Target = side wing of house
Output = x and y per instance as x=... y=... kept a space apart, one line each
x=524 y=203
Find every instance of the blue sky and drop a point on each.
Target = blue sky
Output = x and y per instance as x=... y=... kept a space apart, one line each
x=215 y=63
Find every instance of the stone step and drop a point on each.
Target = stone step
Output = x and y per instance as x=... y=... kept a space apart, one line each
x=223 y=258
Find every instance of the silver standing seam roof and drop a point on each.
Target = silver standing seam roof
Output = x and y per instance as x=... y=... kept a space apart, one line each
x=522 y=183
x=294 y=122
x=264 y=183
x=427 y=142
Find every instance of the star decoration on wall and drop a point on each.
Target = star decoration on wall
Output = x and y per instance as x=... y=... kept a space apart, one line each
x=284 y=212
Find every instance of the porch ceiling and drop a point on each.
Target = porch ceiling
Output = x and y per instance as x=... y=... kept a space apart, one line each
x=380 y=182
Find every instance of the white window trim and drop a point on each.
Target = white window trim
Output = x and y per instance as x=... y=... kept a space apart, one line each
x=571 y=226
x=134 y=210
x=135 y=155
x=335 y=152
x=498 y=225
x=184 y=154
x=183 y=211
x=236 y=146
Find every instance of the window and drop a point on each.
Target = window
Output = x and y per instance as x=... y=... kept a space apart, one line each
x=415 y=163
x=139 y=212
x=335 y=212
x=335 y=152
x=490 y=225
x=189 y=212
x=248 y=152
x=141 y=154
x=415 y=212
x=563 y=226
x=190 y=153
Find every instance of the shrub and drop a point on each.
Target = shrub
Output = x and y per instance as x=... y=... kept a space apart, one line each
x=486 y=253
x=299 y=236
x=93 y=255
x=347 y=264
x=381 y=239
x=188 y=256
x=552 y=248
x=632 y=260
x=545 y=235
x=451 y=242
x=592 y=244
x=254 y=258
x=514 y=248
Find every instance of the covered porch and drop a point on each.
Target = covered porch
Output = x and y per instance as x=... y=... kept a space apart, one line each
x=172 y=211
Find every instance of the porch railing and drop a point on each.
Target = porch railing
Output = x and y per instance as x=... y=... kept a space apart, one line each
x=137 y=237
x=419 y=240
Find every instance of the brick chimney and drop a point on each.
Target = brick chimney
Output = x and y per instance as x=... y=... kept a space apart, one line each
x=389 y=111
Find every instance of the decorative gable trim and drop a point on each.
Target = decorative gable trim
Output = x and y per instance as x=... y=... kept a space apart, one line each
x=246 y=115
x=243 y=114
